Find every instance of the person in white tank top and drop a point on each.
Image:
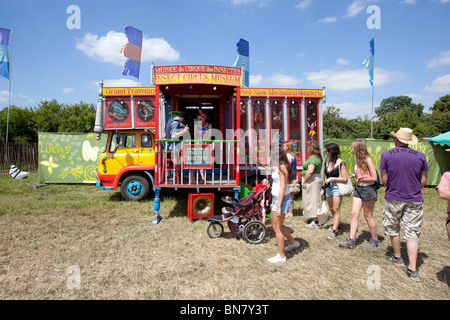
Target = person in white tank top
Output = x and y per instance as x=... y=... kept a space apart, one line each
x=282 y=175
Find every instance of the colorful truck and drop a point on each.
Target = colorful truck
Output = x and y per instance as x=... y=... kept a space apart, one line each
x=245 y=122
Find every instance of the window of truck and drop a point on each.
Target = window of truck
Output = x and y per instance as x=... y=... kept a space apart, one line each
x=126 y=140
x=146 y=140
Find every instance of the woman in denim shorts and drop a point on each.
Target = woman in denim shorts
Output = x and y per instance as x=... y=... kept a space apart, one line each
x=365 y=195
x=282 y=175
x=335 y=171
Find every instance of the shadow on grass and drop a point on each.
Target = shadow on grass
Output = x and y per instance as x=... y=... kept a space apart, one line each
x=444 y=275
x=404 y=253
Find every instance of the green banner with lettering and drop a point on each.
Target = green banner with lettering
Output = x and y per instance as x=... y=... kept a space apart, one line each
x=438 y=159
x=69 y=157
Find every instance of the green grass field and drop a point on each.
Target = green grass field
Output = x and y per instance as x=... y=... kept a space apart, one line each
x=80 y=242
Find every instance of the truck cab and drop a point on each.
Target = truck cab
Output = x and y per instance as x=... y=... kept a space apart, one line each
x=128 y=159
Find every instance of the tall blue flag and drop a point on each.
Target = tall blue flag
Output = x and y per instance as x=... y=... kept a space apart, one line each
x=132 y=50
x=369 y=62
x=5 y=52
x=243 y=50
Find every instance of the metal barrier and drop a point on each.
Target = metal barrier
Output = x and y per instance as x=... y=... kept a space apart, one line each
x=197 y=163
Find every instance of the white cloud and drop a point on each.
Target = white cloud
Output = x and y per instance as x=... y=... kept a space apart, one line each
x=442 y=60
x=261 y=3
x=441 y=85
x=4 y=95
x=275 y=81
x=303 y=4
x=351 y=79
x=342 y=62
x=409 y=1
x=68 y=90
x=107 y=48
x=353 y=110
x=357 y=7
x=122 y=82
x=327 y=20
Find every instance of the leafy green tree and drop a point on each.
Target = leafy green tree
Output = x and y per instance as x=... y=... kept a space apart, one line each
x=334 y=125
x=20 y=126
x=78 y=117
x=396 y=112
x=442 y=105
x=439 y=120
x=47 y=116
x=360 y=127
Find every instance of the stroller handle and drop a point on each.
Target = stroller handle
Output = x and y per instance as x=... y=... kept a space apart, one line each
x=235 y=202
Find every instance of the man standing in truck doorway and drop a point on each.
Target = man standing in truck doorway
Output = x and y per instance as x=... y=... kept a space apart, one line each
x=175 y=129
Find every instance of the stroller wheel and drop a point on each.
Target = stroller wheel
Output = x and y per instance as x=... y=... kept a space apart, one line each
x=214 y=229
x=254 y=232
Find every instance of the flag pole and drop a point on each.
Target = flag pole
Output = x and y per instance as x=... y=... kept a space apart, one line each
x=373 y=85
x=9 y=99
x=371 y=123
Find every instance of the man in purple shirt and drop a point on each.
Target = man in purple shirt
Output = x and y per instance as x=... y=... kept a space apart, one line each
x=404 y=172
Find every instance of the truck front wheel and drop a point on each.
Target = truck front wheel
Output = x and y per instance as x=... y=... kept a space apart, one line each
x=135 y=188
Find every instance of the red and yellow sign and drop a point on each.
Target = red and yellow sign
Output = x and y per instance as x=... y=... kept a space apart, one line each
x=129 y=91
x=202 y=74
x=295 y=93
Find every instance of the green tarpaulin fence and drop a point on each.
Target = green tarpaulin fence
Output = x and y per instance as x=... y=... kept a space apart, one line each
x=68 y=157
x=72 y=158
x=438 y=159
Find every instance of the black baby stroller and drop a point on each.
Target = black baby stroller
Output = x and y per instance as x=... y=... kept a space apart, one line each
x=246 y=217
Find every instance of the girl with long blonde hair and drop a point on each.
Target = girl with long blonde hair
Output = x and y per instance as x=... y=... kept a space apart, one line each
x=365 y=195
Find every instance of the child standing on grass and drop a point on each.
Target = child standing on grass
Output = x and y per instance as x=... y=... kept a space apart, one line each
x=365 y=195
x=282 y=176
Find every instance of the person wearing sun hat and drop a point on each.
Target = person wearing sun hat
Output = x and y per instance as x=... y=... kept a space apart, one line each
x=404 y=172
x=443 y=190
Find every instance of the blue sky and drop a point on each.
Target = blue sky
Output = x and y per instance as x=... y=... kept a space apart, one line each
x=293 y=44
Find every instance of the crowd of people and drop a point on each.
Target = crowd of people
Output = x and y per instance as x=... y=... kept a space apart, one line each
x=403 y=171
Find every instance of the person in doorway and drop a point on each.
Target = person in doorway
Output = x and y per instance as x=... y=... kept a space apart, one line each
x=175 y=128
x=202 y=131
x=282 y=175
x=289 y=150
x=312 y=183
x=443 y=190
x=365 y=195
x=335 y=171
x=404 y=172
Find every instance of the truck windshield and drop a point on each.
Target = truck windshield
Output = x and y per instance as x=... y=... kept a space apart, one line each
x=127 y=140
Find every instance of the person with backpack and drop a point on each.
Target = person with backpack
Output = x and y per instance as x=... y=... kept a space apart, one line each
x=364 y=196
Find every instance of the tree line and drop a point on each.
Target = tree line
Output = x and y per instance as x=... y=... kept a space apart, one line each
x=393 y=113
x=47 y=116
